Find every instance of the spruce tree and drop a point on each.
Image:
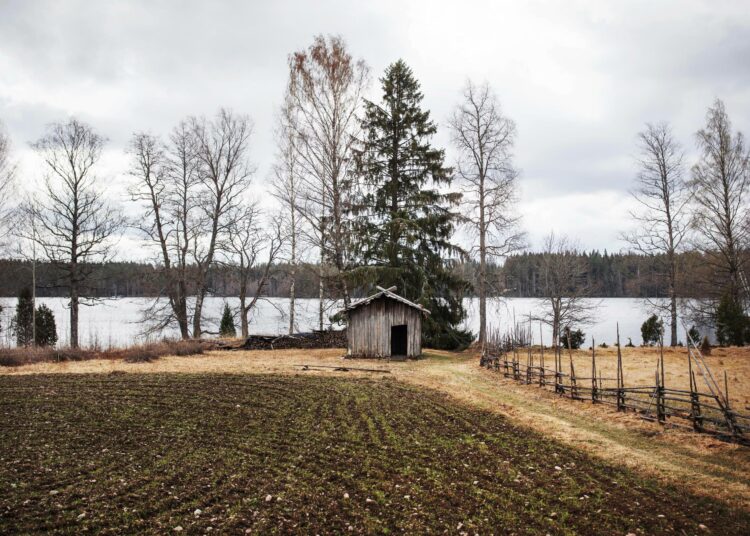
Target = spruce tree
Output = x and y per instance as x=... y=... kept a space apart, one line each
x=24 y=318
x=226 y=328
x=46 y=329
x=404 y=219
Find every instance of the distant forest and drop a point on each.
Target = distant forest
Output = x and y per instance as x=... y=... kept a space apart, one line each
x=612 y=275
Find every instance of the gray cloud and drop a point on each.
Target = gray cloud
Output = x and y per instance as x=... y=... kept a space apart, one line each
x=579 y=78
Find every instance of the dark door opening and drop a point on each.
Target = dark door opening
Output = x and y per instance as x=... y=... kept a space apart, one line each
x=398 y=340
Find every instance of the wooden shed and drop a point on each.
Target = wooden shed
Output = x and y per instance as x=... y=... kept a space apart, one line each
x=385 y=325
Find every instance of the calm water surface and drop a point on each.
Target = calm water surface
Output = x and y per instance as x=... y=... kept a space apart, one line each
x=117 y=322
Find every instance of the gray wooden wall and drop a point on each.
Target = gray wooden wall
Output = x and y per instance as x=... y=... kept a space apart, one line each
x=369 y=329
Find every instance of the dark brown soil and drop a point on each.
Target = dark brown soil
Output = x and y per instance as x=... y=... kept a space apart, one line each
x=131 y=453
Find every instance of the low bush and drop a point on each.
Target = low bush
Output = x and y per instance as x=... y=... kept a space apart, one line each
x=573 y=338
x=651 y=330
x=144 y=353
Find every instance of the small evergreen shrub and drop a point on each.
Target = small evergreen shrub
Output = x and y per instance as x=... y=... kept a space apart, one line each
x=732 y=324
x=23 y=321
x=572 y=337
x=46 y=329
x=694 y=335
x=226 y=328
x=651 y=330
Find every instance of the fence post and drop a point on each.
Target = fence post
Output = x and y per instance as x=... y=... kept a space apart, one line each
x=695 y=405
x=573 y=385
x=660 y=409
x=728 y=410
x=542 y=379
x=620 y=379
x=594 y=390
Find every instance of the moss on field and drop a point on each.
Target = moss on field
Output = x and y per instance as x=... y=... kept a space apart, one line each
x=150 y=453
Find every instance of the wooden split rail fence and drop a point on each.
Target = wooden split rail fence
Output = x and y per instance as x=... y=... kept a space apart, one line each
x=704 y=409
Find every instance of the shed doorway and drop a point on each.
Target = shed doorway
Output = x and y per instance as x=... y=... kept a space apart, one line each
x=398 y=340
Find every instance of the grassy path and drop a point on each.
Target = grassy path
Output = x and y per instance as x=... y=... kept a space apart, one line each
x=701 y=463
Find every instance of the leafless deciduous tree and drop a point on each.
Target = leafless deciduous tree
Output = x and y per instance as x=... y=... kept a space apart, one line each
x=563 y=282
x=251 y=246
x=222 y=147
x=324 y=92
x=166 y=183
x=192 y=191
x=73 y=222
x=7 y=186
x=662 y=217
x=720 y=183
x=286 y=189
x=484 y=139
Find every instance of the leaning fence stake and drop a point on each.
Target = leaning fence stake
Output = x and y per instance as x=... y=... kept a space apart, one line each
x=542 y=380
x=620 y=379
x=660 y=402
x=573 y=385
x=593 y=371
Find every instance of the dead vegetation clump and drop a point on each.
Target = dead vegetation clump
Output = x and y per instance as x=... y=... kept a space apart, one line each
x=142 y=353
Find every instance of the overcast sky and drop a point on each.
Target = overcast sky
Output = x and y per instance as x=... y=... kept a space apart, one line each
x=579 y=78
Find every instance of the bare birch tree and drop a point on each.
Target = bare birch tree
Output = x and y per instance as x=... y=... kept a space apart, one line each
x=720 y=183
x=7 y=186
x=166 y=183
x=250 y=247
x=324 y=91
x=286 y=188
x=73 y=222
x=484 y=139
x=222 y=147
x=662 y=217
x=563 y=283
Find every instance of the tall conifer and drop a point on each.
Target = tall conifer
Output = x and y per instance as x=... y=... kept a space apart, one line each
x=405 y=218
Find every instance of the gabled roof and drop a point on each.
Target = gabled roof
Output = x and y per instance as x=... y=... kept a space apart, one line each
x=387 y=293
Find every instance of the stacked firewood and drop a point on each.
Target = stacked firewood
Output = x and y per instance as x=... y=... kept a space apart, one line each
x=314 y=339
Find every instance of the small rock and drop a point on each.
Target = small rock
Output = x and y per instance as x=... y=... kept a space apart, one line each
x=407 y=496
x=553 y=515
x=197 y=512
x=269 y=498
x=346 y=495
x=702 y=527
x=476 y=482
x=54 y=492
x=460 y=526
x=81 y=516
x=661 y=516
x=368 y=500
x=178 y=528
x=558 y=468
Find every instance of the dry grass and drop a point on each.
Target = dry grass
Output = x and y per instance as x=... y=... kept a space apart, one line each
x=639 y=366
x=700 y=463
x=19 y=357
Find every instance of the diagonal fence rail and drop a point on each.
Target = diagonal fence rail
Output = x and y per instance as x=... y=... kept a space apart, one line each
x=706 y=410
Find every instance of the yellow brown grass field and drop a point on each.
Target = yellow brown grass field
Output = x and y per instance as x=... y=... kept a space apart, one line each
x=639 y=367
x=697 y=462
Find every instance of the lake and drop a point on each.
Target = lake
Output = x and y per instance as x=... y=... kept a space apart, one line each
x=116 y=322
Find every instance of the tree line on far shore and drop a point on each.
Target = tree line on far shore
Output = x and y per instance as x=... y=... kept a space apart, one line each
x=608 y=275
x=365 y=199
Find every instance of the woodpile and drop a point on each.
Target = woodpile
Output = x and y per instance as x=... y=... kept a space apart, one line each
x=314 y=339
